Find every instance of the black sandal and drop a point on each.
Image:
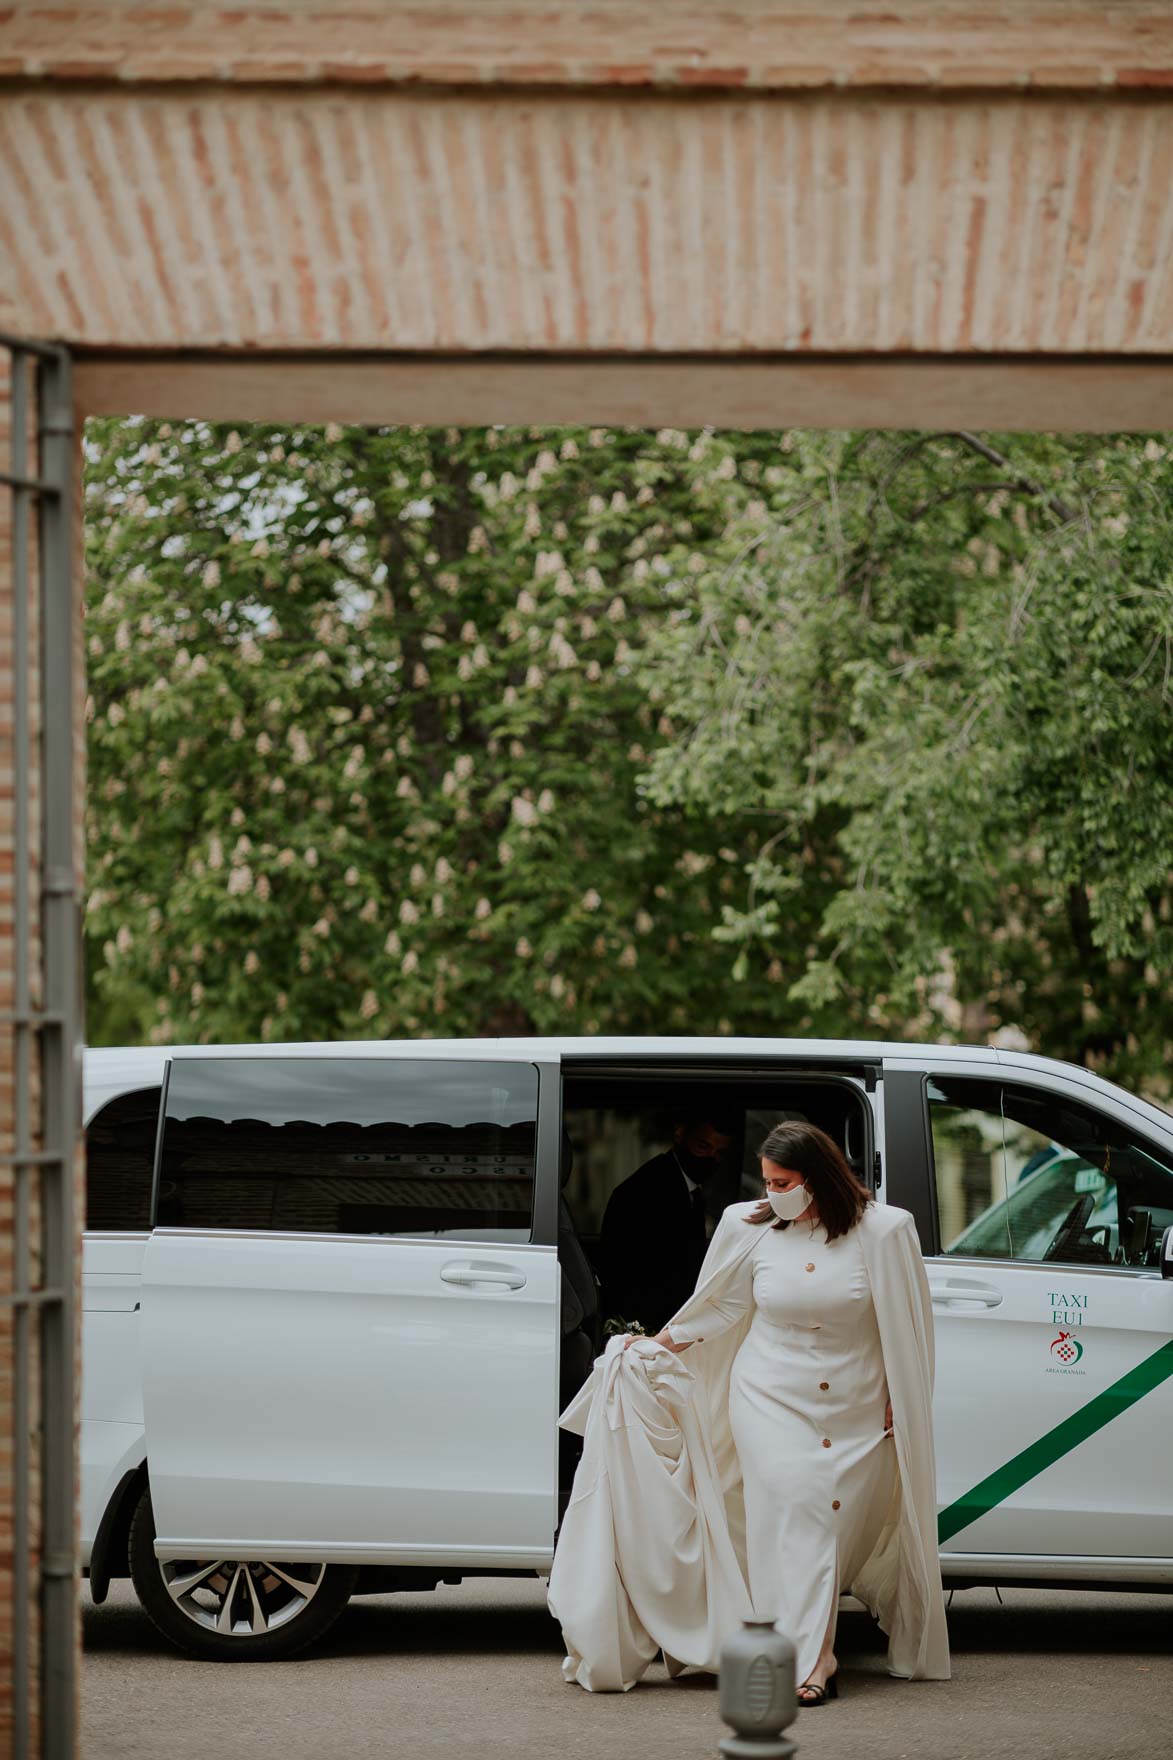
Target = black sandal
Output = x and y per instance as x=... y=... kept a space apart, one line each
x=819 y=1695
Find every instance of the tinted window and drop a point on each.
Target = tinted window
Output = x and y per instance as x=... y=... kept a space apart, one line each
x=120 y=1159
x=1025 y=1174
x=350 y=1146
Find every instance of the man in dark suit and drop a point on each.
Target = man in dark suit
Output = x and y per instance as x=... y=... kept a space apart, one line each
x=653 y=1236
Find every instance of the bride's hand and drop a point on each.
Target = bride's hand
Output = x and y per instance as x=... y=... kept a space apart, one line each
x=661 y=1337
x=888 y=1419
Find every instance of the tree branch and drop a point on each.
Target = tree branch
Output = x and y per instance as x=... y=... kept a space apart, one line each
x=924 y=507
x=1061 y=509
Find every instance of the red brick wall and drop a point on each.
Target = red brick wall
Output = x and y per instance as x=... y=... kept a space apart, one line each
x=757 y=44
x=494 y=221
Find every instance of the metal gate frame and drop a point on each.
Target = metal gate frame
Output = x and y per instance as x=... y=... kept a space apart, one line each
x=44 y=1316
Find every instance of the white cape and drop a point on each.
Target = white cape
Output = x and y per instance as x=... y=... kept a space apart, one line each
x=651 y=1552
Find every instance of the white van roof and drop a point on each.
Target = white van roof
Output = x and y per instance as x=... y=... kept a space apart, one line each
x=117 y=1069
x=112 y=1070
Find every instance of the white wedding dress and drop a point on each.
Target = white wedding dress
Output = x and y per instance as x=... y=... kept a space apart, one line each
x=749 y=1475
x=806 y=1409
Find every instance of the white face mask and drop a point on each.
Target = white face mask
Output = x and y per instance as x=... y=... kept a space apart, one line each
x=790 y=1205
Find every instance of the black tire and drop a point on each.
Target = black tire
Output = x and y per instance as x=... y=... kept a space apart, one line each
x=298 y=1627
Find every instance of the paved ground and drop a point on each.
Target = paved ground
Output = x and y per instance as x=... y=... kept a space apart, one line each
x=474 y=1671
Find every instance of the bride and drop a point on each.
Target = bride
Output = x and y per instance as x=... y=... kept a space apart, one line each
x=769 y=1450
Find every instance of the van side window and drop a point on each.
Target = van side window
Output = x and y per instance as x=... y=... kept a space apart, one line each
x=120 y=1160
x=361 y=1145
x=1025 y=1174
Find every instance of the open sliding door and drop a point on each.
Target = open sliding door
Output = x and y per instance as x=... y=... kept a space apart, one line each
x=350 y=1333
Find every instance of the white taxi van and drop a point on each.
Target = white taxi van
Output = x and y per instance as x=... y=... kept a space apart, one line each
x=335 y=1296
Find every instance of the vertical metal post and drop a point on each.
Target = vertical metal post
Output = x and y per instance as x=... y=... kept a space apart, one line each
x=60 y=1059
x=42 y=1297
x=22 y=1030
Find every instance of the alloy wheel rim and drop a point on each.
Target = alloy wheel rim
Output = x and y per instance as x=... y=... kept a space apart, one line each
x=240 y=1598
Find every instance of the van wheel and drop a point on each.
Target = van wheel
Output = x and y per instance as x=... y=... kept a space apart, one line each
x=226 y=1610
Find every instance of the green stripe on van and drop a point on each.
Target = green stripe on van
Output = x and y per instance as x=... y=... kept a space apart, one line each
x=1057 y=1442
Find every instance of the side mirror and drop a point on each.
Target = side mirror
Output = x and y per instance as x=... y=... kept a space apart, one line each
x=1167 y=1252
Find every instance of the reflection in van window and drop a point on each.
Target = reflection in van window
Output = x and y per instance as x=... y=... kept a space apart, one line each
x=120 y=1160
x=350 y=1146
x=1022 y=1173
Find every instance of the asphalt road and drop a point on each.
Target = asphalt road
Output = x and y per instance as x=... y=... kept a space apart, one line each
x=474 y=1670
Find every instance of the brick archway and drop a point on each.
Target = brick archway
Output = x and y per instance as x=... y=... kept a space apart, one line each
x=868 y=213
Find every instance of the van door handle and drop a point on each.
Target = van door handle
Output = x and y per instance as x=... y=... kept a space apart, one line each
x=979 y=1293
x=471 y=1274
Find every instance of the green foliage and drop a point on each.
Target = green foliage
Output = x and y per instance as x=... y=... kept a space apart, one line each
x=944 y=679
x=365 y=734
x=428 y=732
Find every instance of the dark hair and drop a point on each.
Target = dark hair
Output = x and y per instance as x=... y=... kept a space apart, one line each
x=720 y=1120
x=803 y=1148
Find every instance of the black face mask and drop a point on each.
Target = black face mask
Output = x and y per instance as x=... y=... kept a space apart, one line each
x=701 y=1168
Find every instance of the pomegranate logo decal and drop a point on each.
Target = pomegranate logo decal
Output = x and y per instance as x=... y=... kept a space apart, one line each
x=1066 y=1348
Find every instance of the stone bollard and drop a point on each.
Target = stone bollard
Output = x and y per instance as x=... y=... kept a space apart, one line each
x=757 y=1696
